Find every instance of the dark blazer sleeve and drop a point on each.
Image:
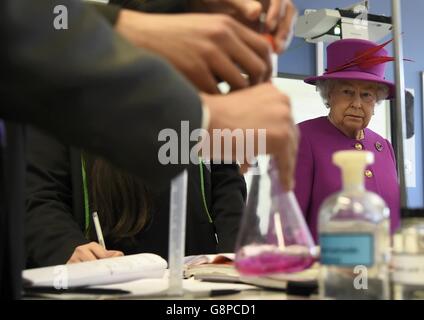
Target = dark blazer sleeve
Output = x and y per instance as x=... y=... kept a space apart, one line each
x=91 y=88
x=228 y=199
x=162 y=6
x=51 y=231
x=110 y=12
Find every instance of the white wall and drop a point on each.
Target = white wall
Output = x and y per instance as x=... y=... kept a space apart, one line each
x=307 y=104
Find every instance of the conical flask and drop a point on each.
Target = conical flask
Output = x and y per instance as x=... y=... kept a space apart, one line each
x=273 y=237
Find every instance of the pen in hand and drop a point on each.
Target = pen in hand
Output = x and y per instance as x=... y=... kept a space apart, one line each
x=98 y=230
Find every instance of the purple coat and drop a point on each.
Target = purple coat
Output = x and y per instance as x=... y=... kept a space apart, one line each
x=317 y=177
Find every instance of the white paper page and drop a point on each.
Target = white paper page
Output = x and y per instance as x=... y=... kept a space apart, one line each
x=104 y=271
x=206 y=258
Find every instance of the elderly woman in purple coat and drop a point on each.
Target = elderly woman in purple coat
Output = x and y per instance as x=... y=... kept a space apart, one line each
x=351 y=87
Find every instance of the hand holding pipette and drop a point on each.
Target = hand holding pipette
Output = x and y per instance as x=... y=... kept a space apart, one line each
x=277 y=20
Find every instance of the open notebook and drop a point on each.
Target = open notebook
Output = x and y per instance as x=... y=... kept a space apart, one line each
x=98 y=272
x=220 y=268
x=212 y=267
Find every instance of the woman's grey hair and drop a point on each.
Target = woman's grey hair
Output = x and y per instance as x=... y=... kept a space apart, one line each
x=324 y=87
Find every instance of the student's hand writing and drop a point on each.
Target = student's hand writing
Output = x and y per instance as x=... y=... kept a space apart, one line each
x=92 y=251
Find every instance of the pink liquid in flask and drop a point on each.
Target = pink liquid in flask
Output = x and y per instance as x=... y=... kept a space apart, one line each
x=269 y=262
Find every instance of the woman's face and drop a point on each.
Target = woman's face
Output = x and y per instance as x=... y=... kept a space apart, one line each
x=352 y=105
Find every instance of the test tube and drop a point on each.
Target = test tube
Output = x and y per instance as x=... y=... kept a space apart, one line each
x=177 y=223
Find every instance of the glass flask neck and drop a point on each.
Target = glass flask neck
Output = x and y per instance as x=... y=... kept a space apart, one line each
x=276 y=188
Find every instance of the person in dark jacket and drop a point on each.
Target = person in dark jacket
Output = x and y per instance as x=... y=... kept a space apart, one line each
x=64 y=186
x=103 y=98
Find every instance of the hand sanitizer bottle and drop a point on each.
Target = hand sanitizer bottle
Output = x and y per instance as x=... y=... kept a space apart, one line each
x=354 y=235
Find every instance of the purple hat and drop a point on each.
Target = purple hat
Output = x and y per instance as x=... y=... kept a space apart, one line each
x=356 y=59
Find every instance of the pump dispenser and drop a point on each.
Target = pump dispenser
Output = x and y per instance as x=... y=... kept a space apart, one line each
x=354 y=235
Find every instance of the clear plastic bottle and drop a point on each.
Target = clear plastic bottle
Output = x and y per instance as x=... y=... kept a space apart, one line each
x=408 y=256
x=354 y=236
x=273 y=237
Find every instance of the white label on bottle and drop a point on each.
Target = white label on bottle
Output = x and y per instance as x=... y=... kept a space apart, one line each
x=408 y=269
